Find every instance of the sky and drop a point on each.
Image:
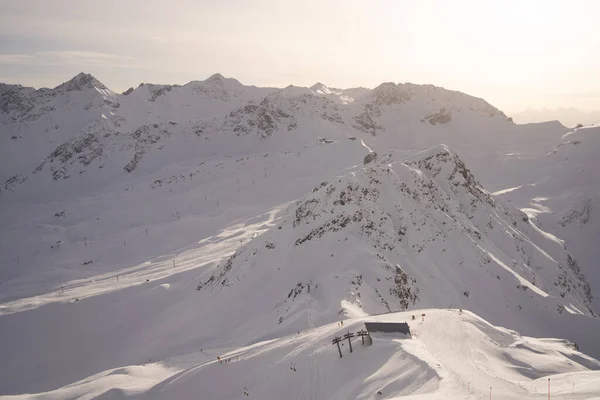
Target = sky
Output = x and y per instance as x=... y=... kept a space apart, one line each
x=515 y=54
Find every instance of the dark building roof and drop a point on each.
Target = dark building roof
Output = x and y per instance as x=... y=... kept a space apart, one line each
x=388 y=327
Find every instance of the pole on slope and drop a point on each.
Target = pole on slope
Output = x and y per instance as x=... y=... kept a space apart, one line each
x=173 y=263
x=490 y=393
x=362 y=335
x=337 y=341
x=348 y=336
x=548 y=388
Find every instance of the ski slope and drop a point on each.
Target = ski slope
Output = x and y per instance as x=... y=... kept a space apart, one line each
x=451 y=355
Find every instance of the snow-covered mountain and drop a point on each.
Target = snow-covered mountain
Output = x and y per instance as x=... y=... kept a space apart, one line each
x=399 y=233
x=399 y=104
x=196 y=103
x=139 y=198
x=82 y=141
x=97 y=142
x=35 y=122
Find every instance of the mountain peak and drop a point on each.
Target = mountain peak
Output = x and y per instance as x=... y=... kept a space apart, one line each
x=320 y=88
x=385 y=86
x=215 y=77
x=80 y=82
x=218 y=79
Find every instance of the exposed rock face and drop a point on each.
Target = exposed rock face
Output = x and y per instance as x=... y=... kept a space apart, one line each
x=263 y=119
x=372 y=156
x=441 y=117
x=581 y=215
x=157 y=91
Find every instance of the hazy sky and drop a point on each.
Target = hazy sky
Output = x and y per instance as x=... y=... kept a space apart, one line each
x=515 y=54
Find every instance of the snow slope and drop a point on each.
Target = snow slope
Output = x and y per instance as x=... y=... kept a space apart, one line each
x=564 y=199
x=450 y=355
x=117 y=224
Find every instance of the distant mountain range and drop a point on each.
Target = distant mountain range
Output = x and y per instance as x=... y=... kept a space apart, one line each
x=570 y=117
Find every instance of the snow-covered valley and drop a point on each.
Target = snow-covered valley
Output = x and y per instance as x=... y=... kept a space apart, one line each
x=144 y=234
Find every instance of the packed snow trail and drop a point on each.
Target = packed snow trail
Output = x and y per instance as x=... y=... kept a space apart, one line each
x=205 y=253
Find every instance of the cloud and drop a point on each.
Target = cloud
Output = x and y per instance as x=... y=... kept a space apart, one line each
x=77 y=54
x=15 y=58
x=71 y=58
x=87 y=58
